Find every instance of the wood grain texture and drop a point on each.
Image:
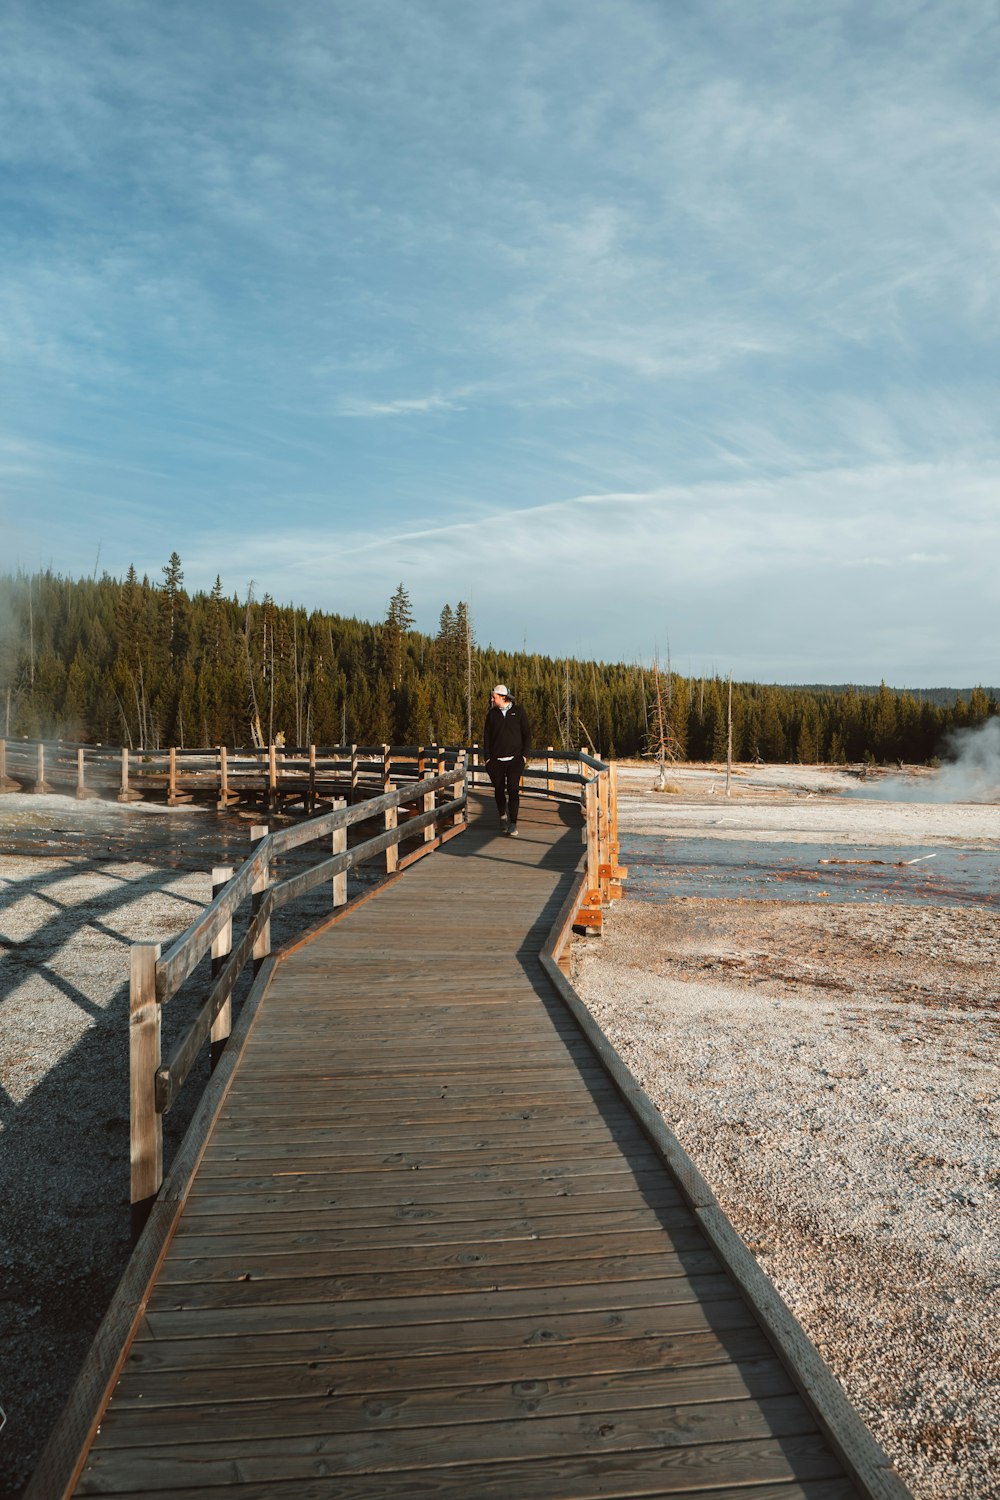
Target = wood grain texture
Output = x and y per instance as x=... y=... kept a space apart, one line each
x=429 y=1250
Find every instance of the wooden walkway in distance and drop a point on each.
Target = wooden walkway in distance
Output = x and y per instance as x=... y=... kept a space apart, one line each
x=428 y=1252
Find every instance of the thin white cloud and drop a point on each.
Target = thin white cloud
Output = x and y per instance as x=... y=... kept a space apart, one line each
x=356 y=406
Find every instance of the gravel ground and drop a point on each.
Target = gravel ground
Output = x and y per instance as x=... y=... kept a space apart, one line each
x=831 y=1069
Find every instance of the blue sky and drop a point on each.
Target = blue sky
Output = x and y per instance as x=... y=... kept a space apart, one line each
x=630 y=323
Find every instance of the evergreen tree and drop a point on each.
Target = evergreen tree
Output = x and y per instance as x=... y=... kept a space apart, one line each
x=398 y=620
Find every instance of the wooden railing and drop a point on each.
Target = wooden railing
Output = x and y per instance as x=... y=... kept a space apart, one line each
x=155 y=977
x=595 y=785
x=359 y=783
x=272 y=777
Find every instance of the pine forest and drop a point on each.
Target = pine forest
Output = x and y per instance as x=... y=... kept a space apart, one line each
x=146 y=664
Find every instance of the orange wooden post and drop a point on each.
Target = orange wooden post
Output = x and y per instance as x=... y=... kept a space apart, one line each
x=549 y=783
x=589 y=913
x=603 y=840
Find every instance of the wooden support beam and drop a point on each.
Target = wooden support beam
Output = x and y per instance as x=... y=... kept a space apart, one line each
x=589 y=915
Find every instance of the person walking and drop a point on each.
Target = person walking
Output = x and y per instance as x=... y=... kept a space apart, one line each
x=506 y=746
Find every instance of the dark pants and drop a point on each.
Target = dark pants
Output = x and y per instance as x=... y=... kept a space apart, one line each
x=506 y=777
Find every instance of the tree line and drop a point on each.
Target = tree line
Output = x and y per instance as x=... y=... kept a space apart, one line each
x=146 y=663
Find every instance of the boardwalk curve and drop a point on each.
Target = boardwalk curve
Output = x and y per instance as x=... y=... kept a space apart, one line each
x=426 y=1248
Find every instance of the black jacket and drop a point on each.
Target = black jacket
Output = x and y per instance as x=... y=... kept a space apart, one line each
x=506 y=734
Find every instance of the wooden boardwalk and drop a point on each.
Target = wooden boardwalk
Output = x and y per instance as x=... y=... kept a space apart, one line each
x=427 y=1250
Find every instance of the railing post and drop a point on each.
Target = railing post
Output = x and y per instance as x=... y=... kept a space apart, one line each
x=430 y=832
x=354 y=774
x=603 y=839
x=172 y=777
x=473 y=761
x=145 y=1123
x=338 y=845
x=311 y=803
x=262 y=945
x=392 y=853
x=593 y=845
x=548 y=771
x=6 y=784
x=223 y=778
x=41 y=785
x=272 y=776
x=83 y=791
x=222 y=946
x=124 y=795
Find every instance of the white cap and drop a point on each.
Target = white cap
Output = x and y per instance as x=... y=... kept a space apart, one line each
x=501 y=691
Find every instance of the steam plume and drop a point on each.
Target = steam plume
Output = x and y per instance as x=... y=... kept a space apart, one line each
x=971 y=772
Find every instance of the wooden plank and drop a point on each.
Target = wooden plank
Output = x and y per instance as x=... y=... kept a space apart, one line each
x=517 y=1262
x=476 y=1319
x=175 y=1372
x=248 y=1237
x=771 y=1446
x=218 y=1414
x=614 y=1479
x=372 y=1198
x=699 y=1365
